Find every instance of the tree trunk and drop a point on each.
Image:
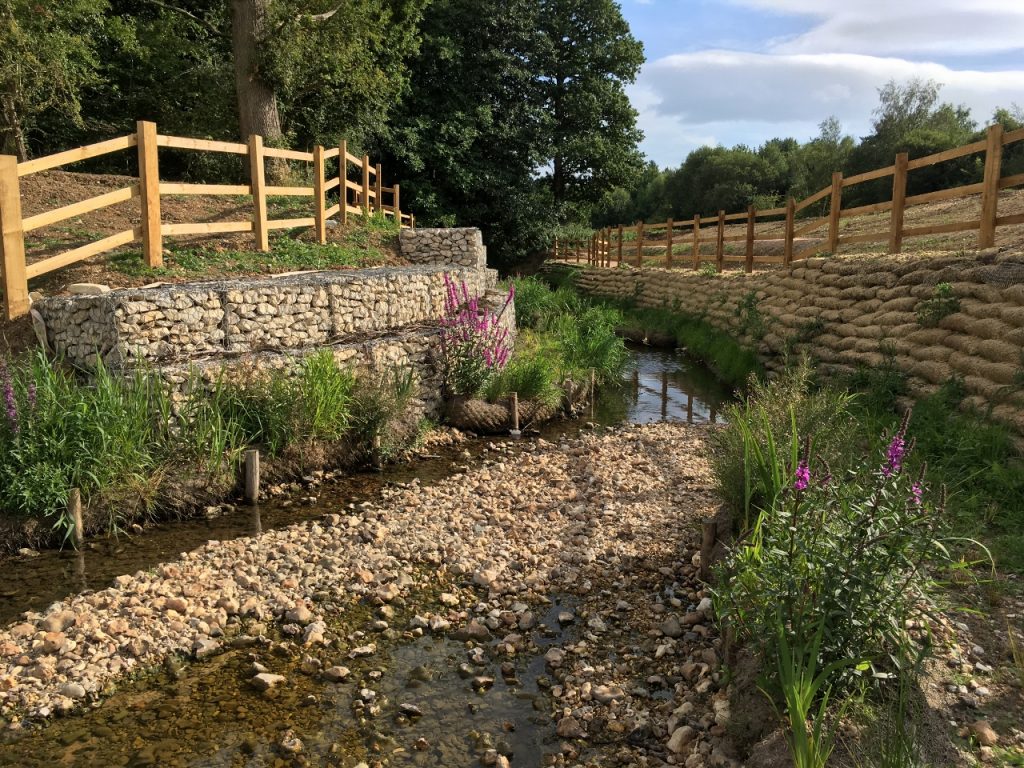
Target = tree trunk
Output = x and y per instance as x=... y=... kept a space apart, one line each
x=13 y=134
x=257 y=102
x=558 y=168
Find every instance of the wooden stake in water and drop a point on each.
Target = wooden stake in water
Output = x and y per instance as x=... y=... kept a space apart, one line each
x=378 y=458
x=75 y=513
x=709 y=531
x=252 y=476
x=515 y=414
x=593 y=388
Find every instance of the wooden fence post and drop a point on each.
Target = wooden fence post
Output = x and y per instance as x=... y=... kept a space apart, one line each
x=606 y=246
x=990 y=186
x=366 y=185
x=640 y=244
x=378 y=190
x=696 y=241
x=149 y=194
x=720 y=242
x=343 y=180
x=787 y=253
x=252 y=476
x=412 y=221
x=12 y=235
x=668 y=247
x=899 y=198
x=396 y=208
x=258 y=181
x=620 y=244
x=319 y=182
x=75 y=513
x=836 y=204
x=748 y=265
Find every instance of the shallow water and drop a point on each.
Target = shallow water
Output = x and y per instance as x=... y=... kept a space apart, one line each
x=206 y=714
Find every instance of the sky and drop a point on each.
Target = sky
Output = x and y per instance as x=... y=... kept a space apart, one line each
x=744 y=71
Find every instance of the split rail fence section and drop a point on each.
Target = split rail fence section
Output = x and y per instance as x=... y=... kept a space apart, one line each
x=366 y=195
x=682 y=241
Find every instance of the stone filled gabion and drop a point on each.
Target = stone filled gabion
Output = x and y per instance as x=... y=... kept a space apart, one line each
x=463 y=246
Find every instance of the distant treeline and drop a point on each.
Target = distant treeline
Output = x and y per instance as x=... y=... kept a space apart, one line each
x=909 y=118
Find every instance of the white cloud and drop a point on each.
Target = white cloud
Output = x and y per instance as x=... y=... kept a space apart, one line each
x=728 y=93
x=886 y=27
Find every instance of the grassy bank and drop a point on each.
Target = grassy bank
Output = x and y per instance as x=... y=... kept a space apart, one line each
x=132 y=451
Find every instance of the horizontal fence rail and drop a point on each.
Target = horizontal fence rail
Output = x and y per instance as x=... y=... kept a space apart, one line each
x=681 y=241
x=352 y=197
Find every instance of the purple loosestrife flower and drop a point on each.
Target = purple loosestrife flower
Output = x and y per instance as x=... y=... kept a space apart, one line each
x=918 y=494
x=10 y=404
x=897 y=449
x=803 y=476
x=32 y=395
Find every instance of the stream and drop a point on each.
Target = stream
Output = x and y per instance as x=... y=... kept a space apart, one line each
x=205 y=713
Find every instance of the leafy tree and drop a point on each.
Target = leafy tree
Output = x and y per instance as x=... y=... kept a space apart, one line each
x=47 y=56
x=587 y=57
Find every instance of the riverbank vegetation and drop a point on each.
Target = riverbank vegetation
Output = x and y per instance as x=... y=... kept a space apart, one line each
x=132 y=448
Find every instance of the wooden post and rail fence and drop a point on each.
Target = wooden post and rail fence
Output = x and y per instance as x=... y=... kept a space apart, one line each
x=364 y=198
x=681 y=240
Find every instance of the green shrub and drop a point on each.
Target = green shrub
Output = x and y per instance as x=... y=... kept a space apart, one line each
x=587 y=341
x=533 y=373
x=943 y=302
x=707 y=269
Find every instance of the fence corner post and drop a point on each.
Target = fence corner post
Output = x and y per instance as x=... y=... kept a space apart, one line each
x=396 y=207
x=319 y=182
x=149 y=194
x=835 y=207
x=258 y=183
x=378 y=188
x=12 y=237
x=787 y=253
x=990 y=186
x=366 y=185
x=899 y=199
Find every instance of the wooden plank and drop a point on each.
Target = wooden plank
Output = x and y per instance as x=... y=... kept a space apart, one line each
x=1011 y=136
x=258 y=183
x=288 y=154
x=945 y=194
x=12 y=240
x=870 y=237
x=787 y=252
x=822 y=194
x=748 y=265
x=355 y=186
x=720 y=241
x=990 y=186
x=805 y=253
x=949 y=154
x=206 y=227
x=772 y=212
x=353 y=209
x=940 y=229
x=331 y=184
x=899 y=195
x=695 y=254
x=333 y=152
x=1004 y=221
x=291 y=223
x=860 y=178
x=77 y=154
x=668 y=251
x=202 y=145
x=175 y=188
x=81 y=208
x=810 y=226
x=78 y=254
x=734 y=238
x=835 y=206
x=736 y=216
x=291 y=191
x=149 y=194
x=862 y=210
x=1011 y=181
x=378 y=189
x=319 y=187
x=366 y=185
x=352 y=158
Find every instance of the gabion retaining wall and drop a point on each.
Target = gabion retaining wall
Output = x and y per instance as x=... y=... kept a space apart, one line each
x=463 y=246
x=863 y=311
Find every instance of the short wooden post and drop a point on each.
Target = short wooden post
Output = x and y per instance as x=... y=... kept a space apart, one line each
x=378 y=454
x=252 y=476
x=258 y=182
x=720 y=242
x=514 y=397
x=787 y=253
x=696 y=241
x=149 y=194
x=990 y=186
x=75 y=514
x=607 y=246
x=640 y=244
x=319 y=193
x=835 y=207
x=668 y=247
x=343 y=180
x=12 y=236
x=899 y=199
x=412 y=221
x=593 y=390
x=709 y=536
x=620 y=244
x=366 y=185
x=396 y=207
x=748 y=264
x=378 y=190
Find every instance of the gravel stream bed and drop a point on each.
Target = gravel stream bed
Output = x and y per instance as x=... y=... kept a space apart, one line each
x=564 y=572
